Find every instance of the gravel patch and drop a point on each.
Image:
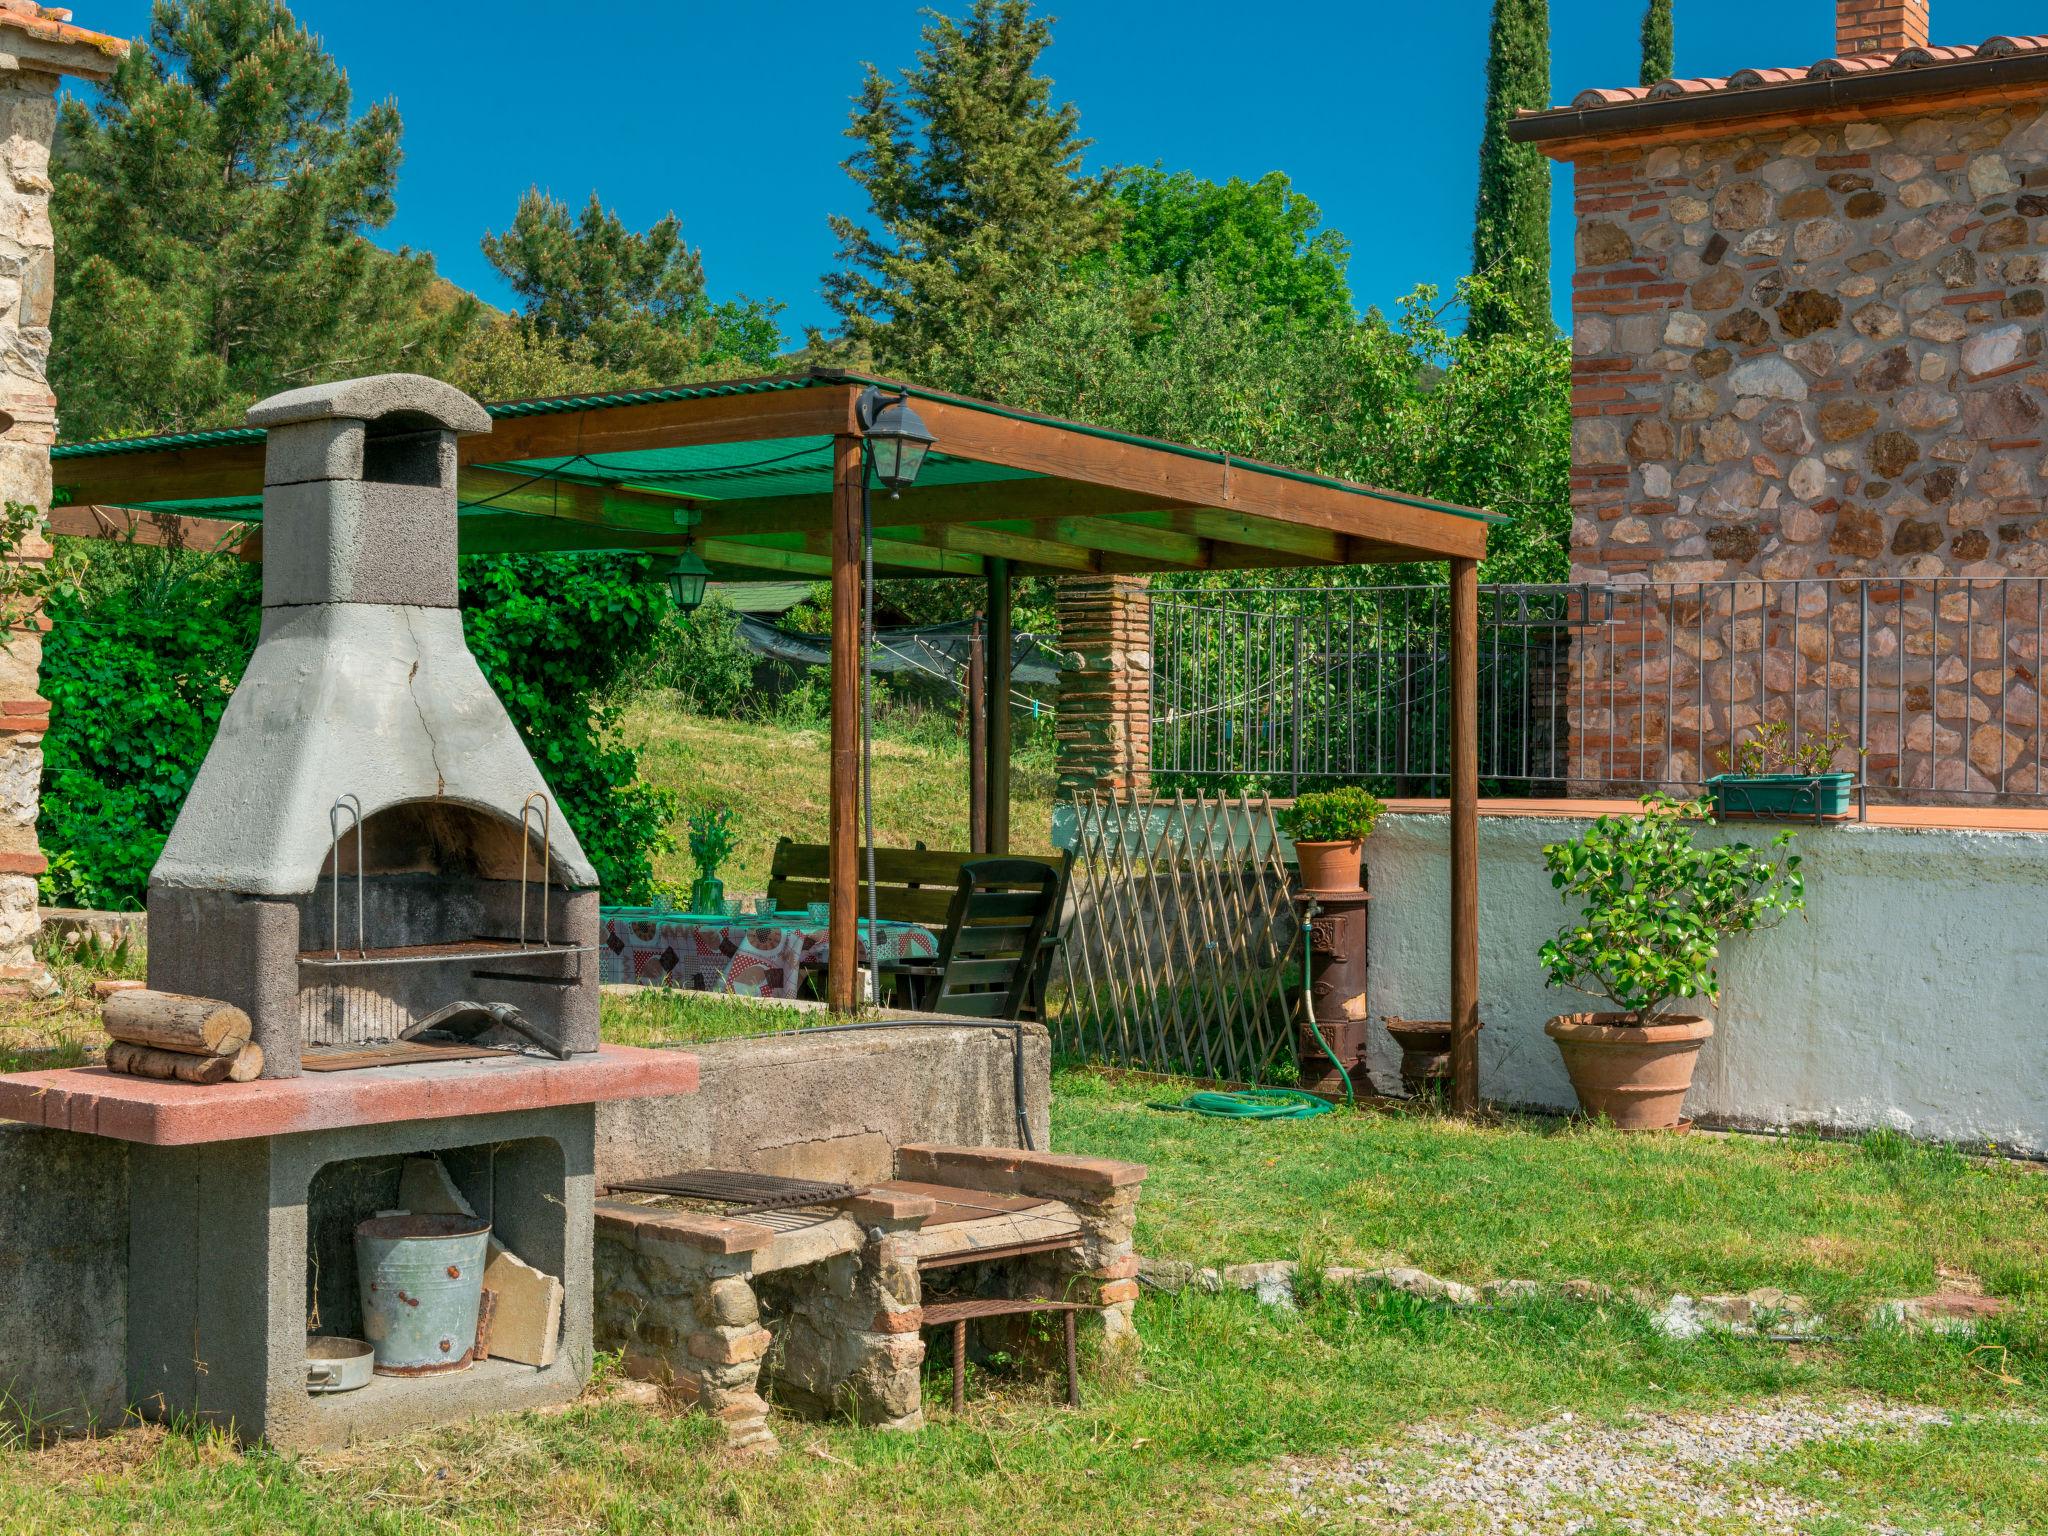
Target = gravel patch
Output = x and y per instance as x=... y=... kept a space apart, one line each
x=1657 y=1473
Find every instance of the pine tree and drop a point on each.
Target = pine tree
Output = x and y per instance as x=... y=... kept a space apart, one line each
x=1657 y=42
x=975 y=190
x=214 y=201
x=635 y=300
x=1511 y=227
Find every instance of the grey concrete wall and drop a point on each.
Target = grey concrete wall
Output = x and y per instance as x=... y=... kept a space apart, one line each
x=833 y=1105
x=1910 y=995
x=63 y=1276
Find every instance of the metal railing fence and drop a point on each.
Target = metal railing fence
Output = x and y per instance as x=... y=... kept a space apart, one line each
x=1927 y=687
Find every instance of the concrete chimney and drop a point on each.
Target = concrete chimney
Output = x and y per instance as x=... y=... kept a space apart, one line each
x=1879 y=26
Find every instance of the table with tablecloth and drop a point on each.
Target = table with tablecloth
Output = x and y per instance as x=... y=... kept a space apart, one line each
x=755 y=955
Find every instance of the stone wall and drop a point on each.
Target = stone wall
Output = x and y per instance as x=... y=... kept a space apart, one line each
x=37 y=47
x=28 y=425
x=1815 y=353
x=1105 y=694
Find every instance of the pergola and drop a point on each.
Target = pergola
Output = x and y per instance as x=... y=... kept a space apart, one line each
x=764 y=478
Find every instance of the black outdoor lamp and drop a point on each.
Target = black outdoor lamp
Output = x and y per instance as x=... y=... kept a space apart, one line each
x=897 y=439
x=687 y=576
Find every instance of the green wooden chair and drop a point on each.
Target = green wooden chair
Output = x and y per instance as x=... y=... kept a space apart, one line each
x=993 y=948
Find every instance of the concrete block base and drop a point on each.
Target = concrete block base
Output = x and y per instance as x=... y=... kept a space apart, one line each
x=236 y=1247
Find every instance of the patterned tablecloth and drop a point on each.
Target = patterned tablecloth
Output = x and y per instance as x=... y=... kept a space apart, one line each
x=754 y=956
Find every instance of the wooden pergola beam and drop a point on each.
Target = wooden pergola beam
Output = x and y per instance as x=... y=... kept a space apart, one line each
x=157 y=530
x=1200 y=482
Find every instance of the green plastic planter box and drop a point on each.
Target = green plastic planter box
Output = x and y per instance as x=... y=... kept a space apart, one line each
x=1781 y=794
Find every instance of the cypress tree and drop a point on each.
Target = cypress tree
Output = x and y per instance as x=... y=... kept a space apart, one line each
x=1657 y=42
x=1511 y=227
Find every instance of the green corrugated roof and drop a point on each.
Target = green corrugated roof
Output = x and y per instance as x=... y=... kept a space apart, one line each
x=703 y=477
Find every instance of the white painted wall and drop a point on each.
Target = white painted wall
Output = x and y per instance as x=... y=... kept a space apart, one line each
x=1914 y=994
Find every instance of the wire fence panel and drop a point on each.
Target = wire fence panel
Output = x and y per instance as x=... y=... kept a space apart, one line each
x=1182 y=947
x=1927 y=688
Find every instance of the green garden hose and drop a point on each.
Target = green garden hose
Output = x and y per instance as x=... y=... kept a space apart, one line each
x=1275 y=1103
x=1253 y=1104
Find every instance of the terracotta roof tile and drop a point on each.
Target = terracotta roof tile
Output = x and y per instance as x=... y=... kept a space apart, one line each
x=2001 y=47
x=50 y=25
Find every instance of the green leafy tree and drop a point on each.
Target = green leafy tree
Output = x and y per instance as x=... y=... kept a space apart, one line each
x=1511 y=226
x=1656 y=906
x=1657 y=42
x=633 y=299
x=213 y=203
x=1262 y=236
x=975 y=189
x=1409 y=403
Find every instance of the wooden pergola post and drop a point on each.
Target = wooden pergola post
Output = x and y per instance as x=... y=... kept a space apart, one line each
x=843 y=943
x=1464 y=836
x=997 y=815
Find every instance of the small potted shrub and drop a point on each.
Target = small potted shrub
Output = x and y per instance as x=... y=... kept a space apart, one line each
x=1329 y=828
x=714 y=833
x=1768 y=775
x=1656 y=908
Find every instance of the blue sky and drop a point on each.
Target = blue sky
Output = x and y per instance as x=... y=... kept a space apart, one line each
x=733 y=115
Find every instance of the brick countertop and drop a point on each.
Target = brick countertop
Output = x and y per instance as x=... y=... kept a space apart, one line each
x=97 y=1102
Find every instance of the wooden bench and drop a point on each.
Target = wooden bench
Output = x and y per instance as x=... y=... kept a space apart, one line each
x=912 y=885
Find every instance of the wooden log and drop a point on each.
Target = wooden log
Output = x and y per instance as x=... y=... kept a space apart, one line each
x=170 y=1021
x=245 y=1066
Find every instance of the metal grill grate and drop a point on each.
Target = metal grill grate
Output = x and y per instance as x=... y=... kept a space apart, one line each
x=745 y=1192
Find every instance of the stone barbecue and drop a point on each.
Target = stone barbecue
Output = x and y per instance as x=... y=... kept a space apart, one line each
x=368 y=840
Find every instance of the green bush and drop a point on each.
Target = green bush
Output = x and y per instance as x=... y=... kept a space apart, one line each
x=701 y=657
x=1657 y=906
x=138 y=665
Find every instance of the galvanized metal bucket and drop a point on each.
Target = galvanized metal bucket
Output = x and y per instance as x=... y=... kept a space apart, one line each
x=421 y=1278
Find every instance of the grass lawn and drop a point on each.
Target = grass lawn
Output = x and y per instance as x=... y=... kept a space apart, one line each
x=1234 y=1408
x=776 y=776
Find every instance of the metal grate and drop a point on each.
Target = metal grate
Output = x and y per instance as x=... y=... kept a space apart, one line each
x=745 y=1192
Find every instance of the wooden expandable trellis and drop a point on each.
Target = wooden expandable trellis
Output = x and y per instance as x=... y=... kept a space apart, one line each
x=1182 y=949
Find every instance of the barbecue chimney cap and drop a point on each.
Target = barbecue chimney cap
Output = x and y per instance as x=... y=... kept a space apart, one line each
x=412 y=397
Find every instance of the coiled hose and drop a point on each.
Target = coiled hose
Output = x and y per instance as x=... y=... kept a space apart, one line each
x=1275 y=1103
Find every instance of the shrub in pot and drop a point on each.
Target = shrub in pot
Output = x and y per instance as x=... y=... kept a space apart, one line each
x=1329 y=828
x=1656 y=908
x=1769 y=775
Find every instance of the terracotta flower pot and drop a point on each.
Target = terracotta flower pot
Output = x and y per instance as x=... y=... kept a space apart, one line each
x=1634 y=1074
x=1330 y=866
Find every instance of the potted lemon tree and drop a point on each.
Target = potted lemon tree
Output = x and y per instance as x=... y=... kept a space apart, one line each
x=1656 y=908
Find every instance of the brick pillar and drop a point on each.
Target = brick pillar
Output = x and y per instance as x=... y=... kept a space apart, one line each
x=1105 y=697
x=37 y=47
x=1879 y=26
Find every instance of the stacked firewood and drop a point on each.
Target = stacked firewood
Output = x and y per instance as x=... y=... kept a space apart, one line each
x=179 y=1039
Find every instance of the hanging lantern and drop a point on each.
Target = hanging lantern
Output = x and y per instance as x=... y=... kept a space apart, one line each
x=897 y=439
x=687 y=576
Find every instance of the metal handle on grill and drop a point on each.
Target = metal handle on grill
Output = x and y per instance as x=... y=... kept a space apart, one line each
x=547 y=860
x=354 y=807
